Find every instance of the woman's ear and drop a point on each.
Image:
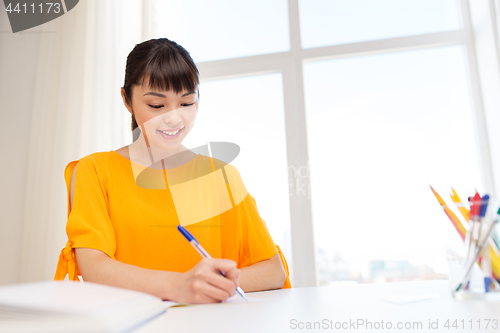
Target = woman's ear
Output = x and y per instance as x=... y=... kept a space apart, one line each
x=129 y=107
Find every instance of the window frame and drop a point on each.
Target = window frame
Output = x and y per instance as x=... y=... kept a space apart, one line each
x=290 y=65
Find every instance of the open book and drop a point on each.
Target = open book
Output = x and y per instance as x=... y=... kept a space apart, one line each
x=71 y=306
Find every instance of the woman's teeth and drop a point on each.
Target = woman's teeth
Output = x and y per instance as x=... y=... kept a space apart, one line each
x=171 y=133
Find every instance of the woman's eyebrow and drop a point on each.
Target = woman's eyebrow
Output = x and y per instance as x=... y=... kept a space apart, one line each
x=161 y=95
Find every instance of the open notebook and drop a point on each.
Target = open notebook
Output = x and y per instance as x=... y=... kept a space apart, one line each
x=71 y=306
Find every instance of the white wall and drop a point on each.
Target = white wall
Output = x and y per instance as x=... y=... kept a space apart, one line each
x=18 y=59
x=59 y=100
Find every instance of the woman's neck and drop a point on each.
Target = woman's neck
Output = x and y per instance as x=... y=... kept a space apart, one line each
x=138 y=152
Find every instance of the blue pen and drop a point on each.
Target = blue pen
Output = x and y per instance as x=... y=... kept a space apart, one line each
x=486 y=263
x=477 y=212
x=204 y=253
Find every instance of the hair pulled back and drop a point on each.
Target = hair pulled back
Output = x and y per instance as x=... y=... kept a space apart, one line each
x=167 y=65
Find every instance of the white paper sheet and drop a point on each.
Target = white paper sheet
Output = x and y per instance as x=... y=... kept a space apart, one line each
x=69 y=306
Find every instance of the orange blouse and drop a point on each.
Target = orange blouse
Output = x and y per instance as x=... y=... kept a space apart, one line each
x=137 y=224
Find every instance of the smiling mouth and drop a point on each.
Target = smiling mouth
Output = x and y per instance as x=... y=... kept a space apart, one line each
x=173 y=132
x=169 y=135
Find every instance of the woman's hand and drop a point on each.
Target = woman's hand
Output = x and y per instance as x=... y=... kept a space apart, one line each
x=201 y=284
x=204 y=284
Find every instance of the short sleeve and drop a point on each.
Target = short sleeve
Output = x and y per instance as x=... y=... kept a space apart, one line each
x=89 y=224
x=256 y=242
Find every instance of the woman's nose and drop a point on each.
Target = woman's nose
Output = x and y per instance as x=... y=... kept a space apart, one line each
x=172 y=117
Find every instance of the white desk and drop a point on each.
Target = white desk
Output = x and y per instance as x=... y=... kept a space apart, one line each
x=338 y=304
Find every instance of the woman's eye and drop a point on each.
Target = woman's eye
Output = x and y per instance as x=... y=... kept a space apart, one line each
x=160 y=106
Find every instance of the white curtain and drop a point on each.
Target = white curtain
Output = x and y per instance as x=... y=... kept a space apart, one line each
x=77 y=111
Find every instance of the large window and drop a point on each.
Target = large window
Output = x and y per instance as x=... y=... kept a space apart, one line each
x=223 y=29
x=381 y=128
x=333 y=22
x=345 y=112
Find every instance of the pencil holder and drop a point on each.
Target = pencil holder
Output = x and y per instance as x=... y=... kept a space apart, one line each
x=474 y=263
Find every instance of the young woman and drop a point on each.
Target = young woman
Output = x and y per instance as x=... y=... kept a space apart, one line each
x=124 y=205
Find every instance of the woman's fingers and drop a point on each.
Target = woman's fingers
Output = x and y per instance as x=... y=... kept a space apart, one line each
x=221 y=282
x=228 y=267
x=214 y=293
x=209 y=281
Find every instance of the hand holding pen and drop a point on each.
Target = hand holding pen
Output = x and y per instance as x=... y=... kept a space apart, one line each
x=224 y=274
x=203 y=284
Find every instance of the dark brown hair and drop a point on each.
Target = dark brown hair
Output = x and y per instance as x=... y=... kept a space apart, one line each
x=167 y=64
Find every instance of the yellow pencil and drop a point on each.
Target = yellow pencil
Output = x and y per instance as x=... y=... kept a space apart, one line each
x=460 y=205
x=453 y=218
x=494 y=253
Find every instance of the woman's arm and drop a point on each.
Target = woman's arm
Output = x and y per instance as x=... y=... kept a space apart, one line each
x=201 y=284
x=264 y=275
x=255 y=240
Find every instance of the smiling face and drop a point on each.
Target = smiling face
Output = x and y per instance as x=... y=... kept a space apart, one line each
x=166 y=117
